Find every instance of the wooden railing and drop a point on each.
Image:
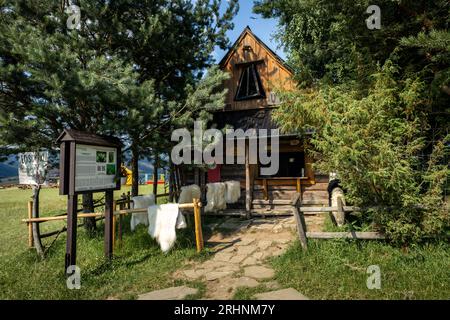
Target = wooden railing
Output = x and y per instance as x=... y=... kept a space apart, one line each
x=124 y=205
x=297 y=182
x=303 y=234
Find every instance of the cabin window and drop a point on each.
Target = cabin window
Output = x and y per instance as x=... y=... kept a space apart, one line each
x=292 y=164
x=250 y=86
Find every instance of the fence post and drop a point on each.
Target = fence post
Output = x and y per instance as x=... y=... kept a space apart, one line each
x=300 y=220
x=198 y=226
x=114 y=223
x=30 y=225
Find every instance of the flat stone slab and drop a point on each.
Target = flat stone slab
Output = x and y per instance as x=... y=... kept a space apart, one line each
x=282 y=240
x=238 y=258
x=214 y=275
x=264 y=244
x=229 y=267
x=246 y=250
x=192 y=274
x=245 y=242
x=263 y=226
x=258 y=255
x=173 y=293
x=223 y=257
x=245 y=282
x=259 y=272
x=272 y=285
x=250 y=261
x=283 y=294
x=234 y=224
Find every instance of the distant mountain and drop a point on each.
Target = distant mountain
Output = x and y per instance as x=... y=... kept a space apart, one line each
x=7 y=170
x=10 y=167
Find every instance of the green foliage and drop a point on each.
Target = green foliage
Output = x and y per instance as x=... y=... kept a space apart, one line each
x=374 y=143
x=337 y=270
x=383 y=130
x=132 y=68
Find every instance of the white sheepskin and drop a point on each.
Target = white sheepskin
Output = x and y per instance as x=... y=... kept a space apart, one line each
x=188 y=193
x=233 y=191
x=163 y=220
x=141 y=202
x=335 y=195
x=215 y=197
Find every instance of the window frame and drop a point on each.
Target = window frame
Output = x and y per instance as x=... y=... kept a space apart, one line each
x=252 y=67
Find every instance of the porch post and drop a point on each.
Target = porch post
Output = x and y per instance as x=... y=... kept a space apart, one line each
x=248 y=192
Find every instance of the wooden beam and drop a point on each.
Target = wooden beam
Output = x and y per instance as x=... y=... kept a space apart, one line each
x=100 y=214
x=300 y=221
x=285 y=181
x=328 y=209
x=247 y=63
x=248 y=195
x=71 y=242
x=265 y=189
x=109 y=216
x=272 y=202
x=114 y=222
x=198 y=226
x=346 y=235
x=30 y=225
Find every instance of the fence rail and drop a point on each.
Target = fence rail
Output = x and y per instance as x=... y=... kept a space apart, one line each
x=303 y=235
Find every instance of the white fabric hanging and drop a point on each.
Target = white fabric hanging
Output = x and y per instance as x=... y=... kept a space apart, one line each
x=141 y=202
x=233 y=191
x=215 y=197
x=163 y=222
x=188 y=193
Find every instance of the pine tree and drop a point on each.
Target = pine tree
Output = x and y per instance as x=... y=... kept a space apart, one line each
x=130 y=69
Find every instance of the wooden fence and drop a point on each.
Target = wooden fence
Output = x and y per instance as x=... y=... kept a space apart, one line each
x=124 y=208
x=303 y=234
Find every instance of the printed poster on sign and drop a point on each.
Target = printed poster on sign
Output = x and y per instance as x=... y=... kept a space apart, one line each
x=96 y=168
x=33 y=168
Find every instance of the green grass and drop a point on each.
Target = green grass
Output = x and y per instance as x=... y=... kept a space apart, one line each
x=139 y=266
x=328 y=270
x=336 y=269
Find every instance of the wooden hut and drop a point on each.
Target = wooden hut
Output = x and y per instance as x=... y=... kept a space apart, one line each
x=255 y=73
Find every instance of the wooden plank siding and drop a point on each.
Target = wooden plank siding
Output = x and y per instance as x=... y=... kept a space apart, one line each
x=256 y=113
x=273 y=73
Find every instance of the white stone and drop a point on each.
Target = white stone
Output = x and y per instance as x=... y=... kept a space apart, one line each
x=250 y=261
x=238 y=258
x=259 y=272
x=214 y=275
x=245 y=282
x=173 y=293
x=283 y=294
x=264 y=244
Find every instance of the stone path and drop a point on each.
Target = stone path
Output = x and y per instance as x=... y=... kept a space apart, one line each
x=174 y=293
x=284 y=294
x=241 y=248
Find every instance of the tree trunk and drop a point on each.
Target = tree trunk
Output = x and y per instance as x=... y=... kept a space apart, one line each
x=155 y=176
x=36 y=231
x=88 y=207
x=171 y=183
x=135 y=169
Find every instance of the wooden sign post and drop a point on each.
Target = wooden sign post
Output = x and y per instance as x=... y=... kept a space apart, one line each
x=88 y=163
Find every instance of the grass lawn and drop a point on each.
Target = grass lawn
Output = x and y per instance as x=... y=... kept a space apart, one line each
x=328 y=270
x=337 y=269
x=139 y=265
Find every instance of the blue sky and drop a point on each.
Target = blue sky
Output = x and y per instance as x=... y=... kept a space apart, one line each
x=263 y=28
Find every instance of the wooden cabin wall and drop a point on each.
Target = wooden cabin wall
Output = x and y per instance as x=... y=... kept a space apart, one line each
x=272 y=73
